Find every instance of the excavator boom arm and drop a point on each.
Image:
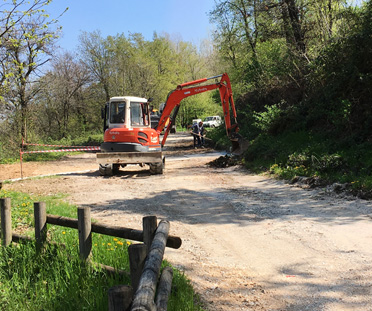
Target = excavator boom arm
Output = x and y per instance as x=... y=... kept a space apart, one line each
x=193 y=88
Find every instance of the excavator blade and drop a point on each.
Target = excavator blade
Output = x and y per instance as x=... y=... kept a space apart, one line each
x=239 y=145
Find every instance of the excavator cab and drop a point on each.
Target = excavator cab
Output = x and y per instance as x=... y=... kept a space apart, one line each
x=128 y=136
x=127 y=112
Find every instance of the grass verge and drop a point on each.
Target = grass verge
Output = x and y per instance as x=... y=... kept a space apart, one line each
x=305 y=154
x=57 y=279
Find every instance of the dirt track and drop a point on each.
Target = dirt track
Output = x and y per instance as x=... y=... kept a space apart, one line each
x=249 y=242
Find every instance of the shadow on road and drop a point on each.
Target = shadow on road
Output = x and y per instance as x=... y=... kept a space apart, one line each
x=240 y=205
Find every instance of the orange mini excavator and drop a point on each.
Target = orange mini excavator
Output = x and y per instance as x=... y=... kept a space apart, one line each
x=130 y=139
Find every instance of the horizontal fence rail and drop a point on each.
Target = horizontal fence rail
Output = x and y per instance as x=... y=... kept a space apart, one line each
x=115 y=231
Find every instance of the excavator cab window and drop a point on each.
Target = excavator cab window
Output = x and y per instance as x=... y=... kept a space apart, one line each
x=136 y=114
x=146 y=113
x=117 y=112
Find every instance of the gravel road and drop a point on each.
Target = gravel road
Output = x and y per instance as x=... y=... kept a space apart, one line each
x=249 y=242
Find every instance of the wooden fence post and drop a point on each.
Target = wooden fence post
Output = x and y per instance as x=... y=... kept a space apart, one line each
x=144 y=297
x=120 y=298
x=85 y=232
x=40 y=224
x=137 y=256
x=149 y=225
x=6 y=221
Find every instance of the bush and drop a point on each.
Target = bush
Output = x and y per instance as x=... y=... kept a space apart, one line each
x=305 y=154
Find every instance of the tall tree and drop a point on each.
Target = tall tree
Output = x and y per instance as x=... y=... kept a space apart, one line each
x=25 y=47
x=96 y=56
x=61 y=97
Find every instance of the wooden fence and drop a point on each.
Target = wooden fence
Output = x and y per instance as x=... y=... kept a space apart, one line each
x=145 y=259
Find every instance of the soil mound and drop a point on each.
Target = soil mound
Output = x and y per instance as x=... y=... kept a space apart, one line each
x=224 y=161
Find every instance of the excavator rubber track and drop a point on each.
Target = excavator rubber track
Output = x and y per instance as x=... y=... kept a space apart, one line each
x=109 y=162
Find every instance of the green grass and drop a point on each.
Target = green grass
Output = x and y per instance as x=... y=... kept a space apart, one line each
x=57 y=279
x=305 y=154
x=218 y=136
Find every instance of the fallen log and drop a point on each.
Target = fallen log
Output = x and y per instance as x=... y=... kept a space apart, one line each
x=164 y=289
x=145 y=294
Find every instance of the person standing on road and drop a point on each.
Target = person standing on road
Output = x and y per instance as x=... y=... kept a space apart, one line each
x=202 y=133
x=196 y=134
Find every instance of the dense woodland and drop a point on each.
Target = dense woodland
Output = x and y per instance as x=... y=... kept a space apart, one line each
x=301 y=73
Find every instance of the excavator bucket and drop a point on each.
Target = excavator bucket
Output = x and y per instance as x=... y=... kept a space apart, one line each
x=239 y=144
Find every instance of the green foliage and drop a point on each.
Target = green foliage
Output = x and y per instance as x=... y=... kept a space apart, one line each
x=270 y=68
x=22 y=206
x=198 y=107
x=265 y=120
x=55 y=280
x=304 y=86
x=50 y=281
x=339 y=98
x=266 y=150
x=305 y=154
x=320 y=75
x=26 y=39
x=183 y=296
x=6 y=156
x=219 y=138
x=308 y=164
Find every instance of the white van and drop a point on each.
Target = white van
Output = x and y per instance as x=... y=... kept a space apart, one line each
x=213 y=121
